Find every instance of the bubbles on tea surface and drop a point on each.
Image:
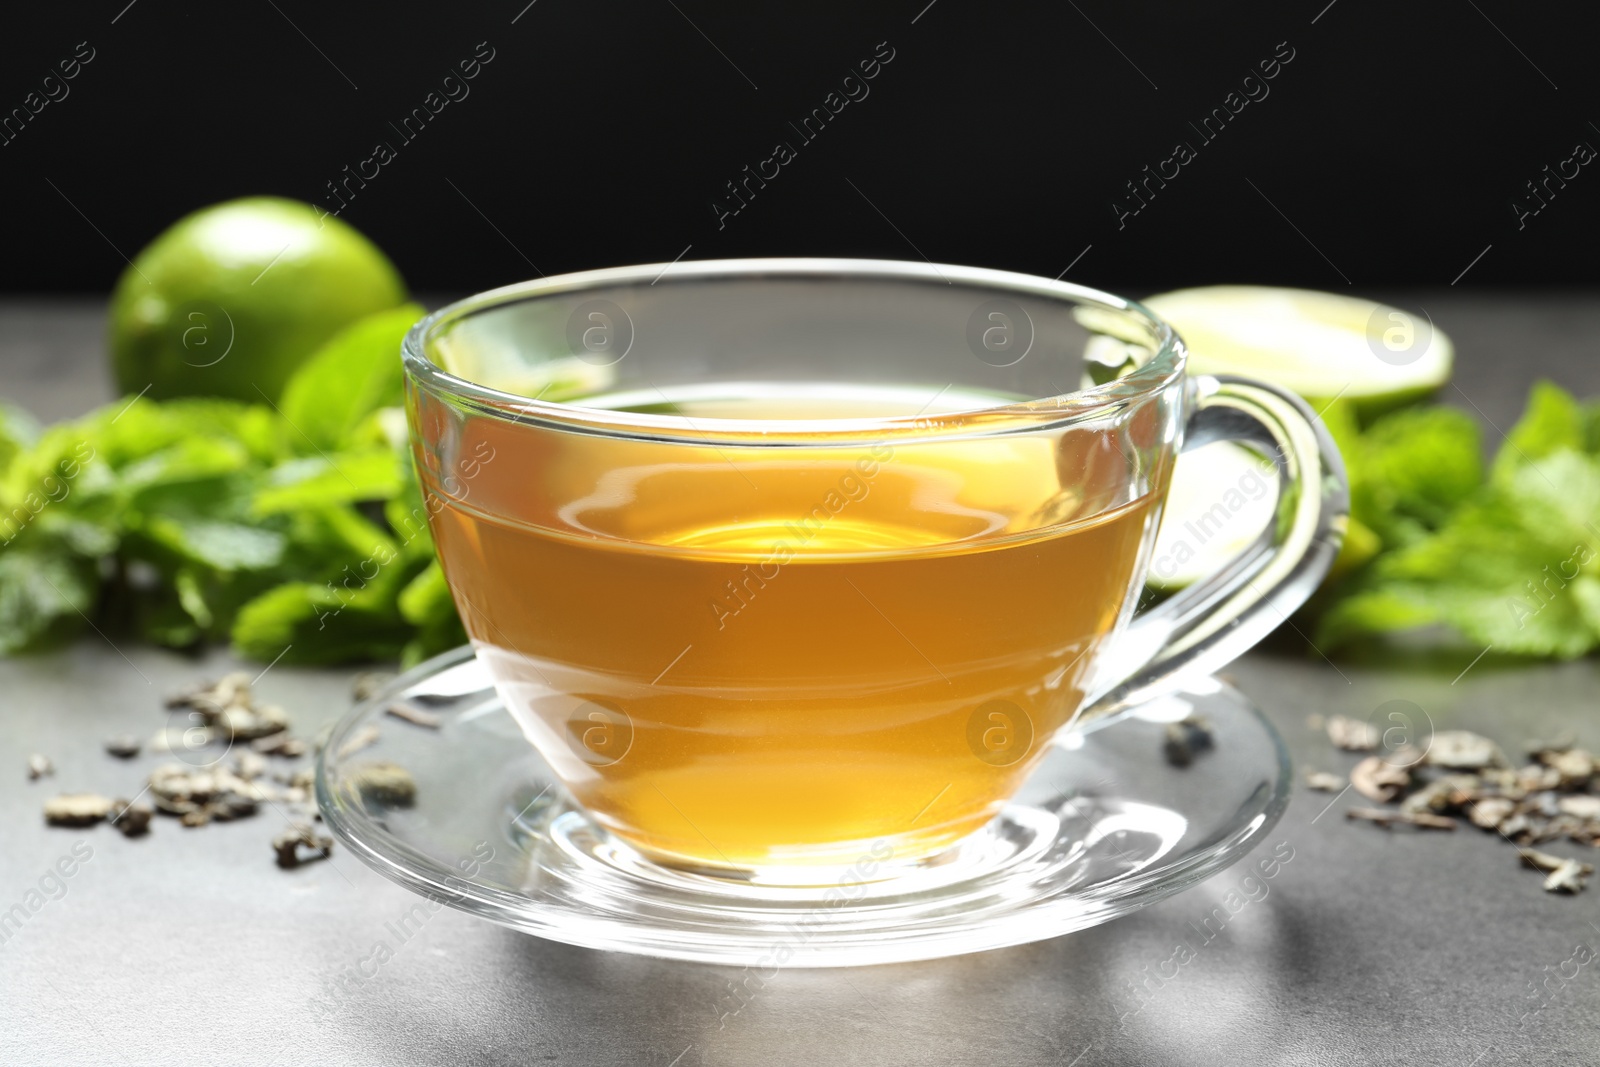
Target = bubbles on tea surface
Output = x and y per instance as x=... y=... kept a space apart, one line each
x=599 y=332
x=999 y=332
x=999 y=733
x=599 y=733
x=1398 y=337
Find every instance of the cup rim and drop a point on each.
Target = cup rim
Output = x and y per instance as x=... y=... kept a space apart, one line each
x=1165 y=365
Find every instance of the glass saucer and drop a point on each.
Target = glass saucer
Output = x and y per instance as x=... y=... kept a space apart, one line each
x=1106 y=825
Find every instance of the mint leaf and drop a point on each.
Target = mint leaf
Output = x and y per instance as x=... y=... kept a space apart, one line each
x=1552 y=422
x=223 y=546
x=357 y=372
x=1412 y=469
x=330 y=479
x=427 y=598
x=427 y=604
x=319 y=624
x=1518 y=567
x=407 y=516
x=18 y=431
x=45 y=590
x=1381 y=608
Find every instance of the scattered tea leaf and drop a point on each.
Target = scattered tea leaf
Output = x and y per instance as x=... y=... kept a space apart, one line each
x=1490 y=812
x=1352 y=735
x=1378 y=780
x=1186 y=739
x=1564 y=875
x=1570 y=877
x=301 y=836
x=279 y=744
x=415 y=716
x=39 y=766
x=1388 y=818
x=133 y=819
x=1581 y=807
x=1324 y=782
x=122 y=746
x=1463 y=750
x=76 y=809
x=1574 y=766
x=387 y=784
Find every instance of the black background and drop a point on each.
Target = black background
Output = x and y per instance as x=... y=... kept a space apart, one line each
x=1387 y=153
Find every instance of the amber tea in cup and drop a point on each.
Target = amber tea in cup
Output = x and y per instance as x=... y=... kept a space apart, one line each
x=780 y=563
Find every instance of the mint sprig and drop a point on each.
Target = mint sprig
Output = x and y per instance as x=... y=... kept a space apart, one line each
x=192 y=520
x=1512 y=561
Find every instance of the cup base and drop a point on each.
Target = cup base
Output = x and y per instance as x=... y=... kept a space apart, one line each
x=1105 y=826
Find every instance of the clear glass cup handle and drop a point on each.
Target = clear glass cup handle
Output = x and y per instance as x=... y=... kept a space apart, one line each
x=1212 y=622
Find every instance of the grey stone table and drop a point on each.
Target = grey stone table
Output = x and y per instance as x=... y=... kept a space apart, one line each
x=1369 y=947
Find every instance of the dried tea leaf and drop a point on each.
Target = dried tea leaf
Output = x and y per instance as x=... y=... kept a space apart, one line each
x=1565 y=876
x=39 y=766
x=1388 y=818
x=1583 y=806
x=1378 y=780
x=1574 y=766
x=1520 y=829
x=1352 y=735
x=1541 y=861
x=297 y=836
x=1570 y=877
x=132 y=819
x=1186 y=739
x=249 y=723
x=1463 y=750
x=76 y=809
x=1545 y=804
x=232 y=688
x=1490 y=812
x=1533 y=778
x=385 y=783
x=122 y=746
x=1503 y=781
x=279 y=744
x=249 y=765
x=415 y=716
x=1324 y=782
x=1449 y=793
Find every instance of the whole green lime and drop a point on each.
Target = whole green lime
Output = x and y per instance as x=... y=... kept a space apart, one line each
x=230 y=300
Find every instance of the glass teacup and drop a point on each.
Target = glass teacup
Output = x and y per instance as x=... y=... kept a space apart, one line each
x=780 y=563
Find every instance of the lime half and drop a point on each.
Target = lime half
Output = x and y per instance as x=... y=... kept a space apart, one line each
x=1320 y=345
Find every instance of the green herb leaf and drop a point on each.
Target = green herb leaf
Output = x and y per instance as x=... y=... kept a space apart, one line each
x=427 y=598
x=1515 y=568
x=1553 y=422
x=319 y=625
x=45 y=590
x=328 y=480
x=18 y=432
x=1412 y=469
x=357 y=372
